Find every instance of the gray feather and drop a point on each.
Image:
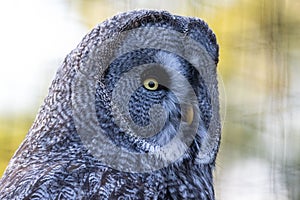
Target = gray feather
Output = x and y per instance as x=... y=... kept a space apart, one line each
x=53 y=162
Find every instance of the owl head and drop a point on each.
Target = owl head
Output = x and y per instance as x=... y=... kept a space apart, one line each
x=145 y=95
x=141 y=92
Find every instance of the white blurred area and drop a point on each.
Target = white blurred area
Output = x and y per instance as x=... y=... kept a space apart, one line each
x=250 y=179
x=35 y=37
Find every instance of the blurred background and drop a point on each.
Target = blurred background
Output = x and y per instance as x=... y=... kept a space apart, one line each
x=258 y=74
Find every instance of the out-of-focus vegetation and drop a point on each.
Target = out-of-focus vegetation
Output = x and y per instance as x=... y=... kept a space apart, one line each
x=259 y=85
x=12 y=132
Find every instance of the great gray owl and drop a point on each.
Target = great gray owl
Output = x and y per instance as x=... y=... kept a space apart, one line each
x=132 y=113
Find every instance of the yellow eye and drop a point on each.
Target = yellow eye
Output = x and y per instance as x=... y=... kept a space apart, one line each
x=150 y=84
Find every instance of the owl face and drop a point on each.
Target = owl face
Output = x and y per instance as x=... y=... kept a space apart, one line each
x=152 y=87
x=153 y=112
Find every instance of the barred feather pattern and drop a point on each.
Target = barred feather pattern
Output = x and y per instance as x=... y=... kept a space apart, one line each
x=53 y=163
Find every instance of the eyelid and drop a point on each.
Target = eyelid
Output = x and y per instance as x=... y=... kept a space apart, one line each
x=157 y=73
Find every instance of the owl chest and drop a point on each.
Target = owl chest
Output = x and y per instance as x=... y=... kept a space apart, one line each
x=166 y=185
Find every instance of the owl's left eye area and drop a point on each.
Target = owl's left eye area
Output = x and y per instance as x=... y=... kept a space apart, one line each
x=151 y=84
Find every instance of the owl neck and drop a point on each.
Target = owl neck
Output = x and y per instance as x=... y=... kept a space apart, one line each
x=190 y=181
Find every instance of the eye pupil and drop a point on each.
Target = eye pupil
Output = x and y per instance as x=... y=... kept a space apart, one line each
x=151 y=84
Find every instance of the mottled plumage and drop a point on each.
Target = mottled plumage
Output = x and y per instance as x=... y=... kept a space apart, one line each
x=56 y=161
